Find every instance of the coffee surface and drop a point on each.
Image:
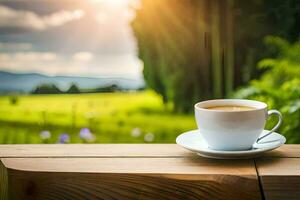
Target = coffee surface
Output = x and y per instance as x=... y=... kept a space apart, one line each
x=231 y=108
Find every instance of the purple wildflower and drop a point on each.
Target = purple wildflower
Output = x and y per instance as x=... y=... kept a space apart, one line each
x=86 y=135
x=64 y=138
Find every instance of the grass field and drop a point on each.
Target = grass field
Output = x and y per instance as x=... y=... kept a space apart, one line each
x=111 y=117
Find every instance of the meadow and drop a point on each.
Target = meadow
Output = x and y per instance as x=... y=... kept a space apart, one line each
x=134 y=117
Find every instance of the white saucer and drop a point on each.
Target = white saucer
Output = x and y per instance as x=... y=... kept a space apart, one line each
x=193 y=140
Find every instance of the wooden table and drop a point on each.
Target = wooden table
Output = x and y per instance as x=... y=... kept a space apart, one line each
x=143 y=171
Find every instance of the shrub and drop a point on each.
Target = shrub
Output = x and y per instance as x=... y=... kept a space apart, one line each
x=13 y=100
x=47 y=89
x=279 y=86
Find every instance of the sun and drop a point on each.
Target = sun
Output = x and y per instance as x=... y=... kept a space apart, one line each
x=118 y=2
x=114 y=3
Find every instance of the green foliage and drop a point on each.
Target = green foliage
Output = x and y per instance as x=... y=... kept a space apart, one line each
x=181 y=45
x=284 y=16
x=280 y=85
x=47 y=89
x=13 y=100
x=109 y=88
x=73 y=89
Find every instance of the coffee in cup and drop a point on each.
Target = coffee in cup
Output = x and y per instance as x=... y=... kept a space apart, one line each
x=231 y=108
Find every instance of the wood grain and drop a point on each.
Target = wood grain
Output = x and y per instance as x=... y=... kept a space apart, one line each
x=134 y=165
x=280 y=177
x=285 y=151
x=3 y=182
x=73 y=186
x=118 y=150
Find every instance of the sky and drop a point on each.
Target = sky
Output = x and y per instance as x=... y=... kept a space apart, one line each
x=69 y=37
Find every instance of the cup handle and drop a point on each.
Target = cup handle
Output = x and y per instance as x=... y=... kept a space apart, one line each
x=272 y=112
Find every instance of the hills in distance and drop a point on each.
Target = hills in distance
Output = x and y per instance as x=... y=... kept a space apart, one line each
x=27 y=82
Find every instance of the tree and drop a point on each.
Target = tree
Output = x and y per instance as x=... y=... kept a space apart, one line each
x=73 y=89
x=47 y=89
x=200 y=49
x=108 y=88
x=183 y=49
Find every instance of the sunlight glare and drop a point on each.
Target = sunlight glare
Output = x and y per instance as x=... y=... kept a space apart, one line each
x=115 y=3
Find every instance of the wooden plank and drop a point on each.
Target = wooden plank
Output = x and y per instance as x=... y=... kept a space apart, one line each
x=133 y=165
x=75 y=186
x=94 y=150
x=131 y=178
x=280 y=177
x=285 y=151
x=118 y=150
x=151 y=162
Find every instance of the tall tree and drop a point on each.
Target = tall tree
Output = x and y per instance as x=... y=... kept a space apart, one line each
x=216 y=48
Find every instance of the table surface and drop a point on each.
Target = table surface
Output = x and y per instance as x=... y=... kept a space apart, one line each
x=143 y=171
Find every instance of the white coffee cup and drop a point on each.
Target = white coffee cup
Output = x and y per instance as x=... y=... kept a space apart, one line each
x=233 y=130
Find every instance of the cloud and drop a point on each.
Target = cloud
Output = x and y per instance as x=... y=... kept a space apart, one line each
x=83 y=56
x=15 y=46
x=15 y=21
x=102 y=17
x=35 y=56
x=23 y=57
x=62 y=17
x=108 y=50
x=52 y=64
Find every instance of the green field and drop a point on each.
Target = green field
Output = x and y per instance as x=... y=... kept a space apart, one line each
x=111 y=117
